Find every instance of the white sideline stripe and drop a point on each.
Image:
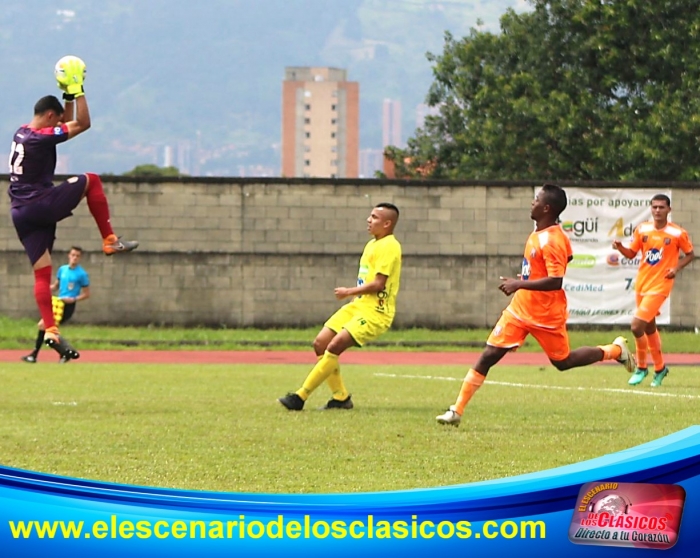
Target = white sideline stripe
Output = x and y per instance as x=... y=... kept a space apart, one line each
x=539 y=386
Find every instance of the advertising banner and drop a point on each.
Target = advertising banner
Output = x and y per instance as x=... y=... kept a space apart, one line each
x=599 y=282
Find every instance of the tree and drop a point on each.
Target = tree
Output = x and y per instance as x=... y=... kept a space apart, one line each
x=153 y=170
x=574 y=89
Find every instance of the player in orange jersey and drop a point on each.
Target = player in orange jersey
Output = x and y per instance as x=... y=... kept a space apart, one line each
x=539 y=306
x=661 y=243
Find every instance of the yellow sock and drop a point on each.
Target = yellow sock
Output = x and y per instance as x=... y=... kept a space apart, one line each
x=335 y=383
x=472 y=382
x=610 y=352
x=642 y=347
x=655 y=350
x=324 y=367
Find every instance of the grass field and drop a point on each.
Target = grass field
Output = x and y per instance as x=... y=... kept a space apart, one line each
x=20 y=334
x=214 y=427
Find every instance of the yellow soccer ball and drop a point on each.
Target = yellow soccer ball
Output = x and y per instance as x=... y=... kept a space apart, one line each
x=69 y=69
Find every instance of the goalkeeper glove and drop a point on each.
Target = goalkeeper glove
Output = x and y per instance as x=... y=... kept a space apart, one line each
x=70 y=76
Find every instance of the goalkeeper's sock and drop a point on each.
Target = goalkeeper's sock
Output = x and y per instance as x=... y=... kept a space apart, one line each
x=97 y=203
x=324 y=368
x=472 y=382
x=39 y=342
x=42 y=294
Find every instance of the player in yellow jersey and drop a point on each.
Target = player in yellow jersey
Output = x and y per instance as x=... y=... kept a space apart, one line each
x=538 y=307
x=366 y=317
x=660 y=243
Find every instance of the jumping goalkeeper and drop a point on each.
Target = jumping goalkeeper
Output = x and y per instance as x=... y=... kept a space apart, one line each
x=37 y=205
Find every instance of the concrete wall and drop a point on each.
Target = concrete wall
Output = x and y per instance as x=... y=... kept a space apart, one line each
x=268 y=252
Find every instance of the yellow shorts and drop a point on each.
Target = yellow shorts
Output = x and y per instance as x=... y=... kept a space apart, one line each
x=510 y=333
x=648 y=306
x=360 y=322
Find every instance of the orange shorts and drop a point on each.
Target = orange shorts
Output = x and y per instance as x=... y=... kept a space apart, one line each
x=510 y=333
x=649 y=306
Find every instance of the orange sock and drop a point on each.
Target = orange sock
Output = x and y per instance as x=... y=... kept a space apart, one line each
x=655 y=350
x=472 y=382
x=642 y=346
x=610 y=352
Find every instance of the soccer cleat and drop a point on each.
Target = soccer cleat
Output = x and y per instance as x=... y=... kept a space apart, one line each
x=29 y=358
x=659 y=377
x=626 y=357
x=449 y=417
x=113 y=244
x=638 y=376
x=60 y=344
x=292 y=402
x=339 y=404
x=64 y=359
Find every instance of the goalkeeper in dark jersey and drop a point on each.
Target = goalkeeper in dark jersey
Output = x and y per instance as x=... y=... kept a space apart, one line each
x=37 y=204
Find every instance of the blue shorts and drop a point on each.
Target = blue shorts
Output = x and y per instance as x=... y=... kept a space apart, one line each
x=35 y=222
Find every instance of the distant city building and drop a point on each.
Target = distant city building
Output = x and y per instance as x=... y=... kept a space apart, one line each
x=423 y=110
x=391 y=123
x=256 y=170
x=178 y=156
x=184 y=157
x=371 y=161
x=320 y=123
x=168 y=156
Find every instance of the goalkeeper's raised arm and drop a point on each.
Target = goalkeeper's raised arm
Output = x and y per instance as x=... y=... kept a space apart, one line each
x=70 y=76
x=77 y=116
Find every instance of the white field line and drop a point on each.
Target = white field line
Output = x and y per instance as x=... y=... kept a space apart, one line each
x=540 y=386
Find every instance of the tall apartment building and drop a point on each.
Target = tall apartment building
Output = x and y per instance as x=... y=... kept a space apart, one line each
x=391 y=123
x=371 y=161
x=320 y=123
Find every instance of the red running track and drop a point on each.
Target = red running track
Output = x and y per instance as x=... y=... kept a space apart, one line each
x=307 y=357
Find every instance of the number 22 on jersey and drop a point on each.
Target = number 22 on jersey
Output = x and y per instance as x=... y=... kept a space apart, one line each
x=16 y=164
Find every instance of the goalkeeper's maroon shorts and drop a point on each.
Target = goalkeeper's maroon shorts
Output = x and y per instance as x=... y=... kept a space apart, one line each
x=35 y=222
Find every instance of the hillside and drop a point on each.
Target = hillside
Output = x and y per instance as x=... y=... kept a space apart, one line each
x=207 y=81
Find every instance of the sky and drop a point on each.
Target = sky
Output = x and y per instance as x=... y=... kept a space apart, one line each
x=148 y=97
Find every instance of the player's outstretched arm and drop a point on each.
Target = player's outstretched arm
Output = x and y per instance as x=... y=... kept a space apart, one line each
x=509 y=285
x=626 y=252
x=81 y=122
x=374 y=286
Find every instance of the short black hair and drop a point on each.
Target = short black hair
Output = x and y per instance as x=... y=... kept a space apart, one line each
x=387 y=205
x=556 y=197
x=48 y=103
x=662 y=197
x=76 y=248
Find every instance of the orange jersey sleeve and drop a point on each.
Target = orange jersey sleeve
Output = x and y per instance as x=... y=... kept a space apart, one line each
x=547 y=253
x=636 y=244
